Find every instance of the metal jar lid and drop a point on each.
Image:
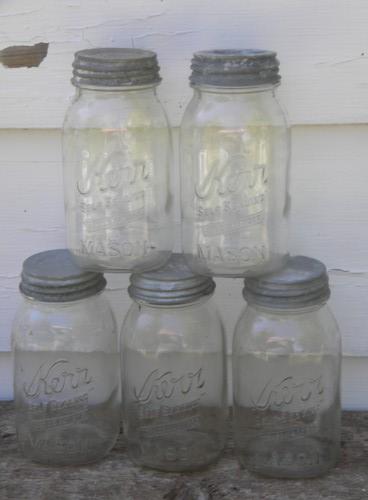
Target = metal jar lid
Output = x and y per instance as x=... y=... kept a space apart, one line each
x=52 y=276
x=115 y=67
x=303 y=282
x=234 y=68
x=174 y=284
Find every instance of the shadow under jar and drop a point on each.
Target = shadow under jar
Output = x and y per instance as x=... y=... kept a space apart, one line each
x=66 y=363
x=286 y=374
x=234 y=161
x=173 y=370
x=117 y=154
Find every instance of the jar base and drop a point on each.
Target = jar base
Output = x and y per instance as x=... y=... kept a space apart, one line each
x=80 y=446
x=184 y=452
x=293 y=459
x=97 y=264
x=274 y=263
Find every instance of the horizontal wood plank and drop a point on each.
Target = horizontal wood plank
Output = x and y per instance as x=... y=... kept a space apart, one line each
x=322 y=46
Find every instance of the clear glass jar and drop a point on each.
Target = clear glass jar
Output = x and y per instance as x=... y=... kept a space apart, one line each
x=234 y=163
x=286 y=374
x=117 y=156
x=66 y=363
x=173 y=370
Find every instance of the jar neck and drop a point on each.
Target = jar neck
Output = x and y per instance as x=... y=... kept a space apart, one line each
x=95 y=92
x=198 y=302
x=286 y=310
x=68 y=303
x=204 y=90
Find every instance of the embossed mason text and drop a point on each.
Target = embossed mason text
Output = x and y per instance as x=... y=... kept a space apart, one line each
x=163 y=385
x=55 y=378
x=289 y=390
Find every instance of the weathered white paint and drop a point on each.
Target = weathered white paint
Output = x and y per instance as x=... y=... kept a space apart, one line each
x=329 y=204
x=328 y=214
x=323 y=49
x=329 y=211
x=322 y=46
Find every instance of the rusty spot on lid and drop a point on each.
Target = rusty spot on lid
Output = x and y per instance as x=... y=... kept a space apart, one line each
x=24 y=56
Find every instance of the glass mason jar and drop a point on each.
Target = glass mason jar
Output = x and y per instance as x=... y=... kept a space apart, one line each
x=66 y=363
x=173 y=370
x=234 y=163
x=117 y=155
x=286 y=374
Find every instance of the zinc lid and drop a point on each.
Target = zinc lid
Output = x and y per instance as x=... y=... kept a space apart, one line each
x=52 y=276
x=302 y=282
x=234 y=68
x=174 y=284
x=115 y=67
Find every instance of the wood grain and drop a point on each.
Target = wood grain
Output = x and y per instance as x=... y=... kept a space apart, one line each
x=115 y=478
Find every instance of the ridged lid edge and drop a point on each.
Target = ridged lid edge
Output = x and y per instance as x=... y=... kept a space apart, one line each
x=174 y=284
x=234 y=68
x=115 y=67
x=53 y=276
x=302 y=282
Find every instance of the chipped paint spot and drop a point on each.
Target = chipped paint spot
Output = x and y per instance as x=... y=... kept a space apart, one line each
x=24 y=56
x=161 y=34
x=347 y=272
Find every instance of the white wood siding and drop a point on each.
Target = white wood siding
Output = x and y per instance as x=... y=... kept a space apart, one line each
x=322 y=46
x=329 y=207
x=323 y=50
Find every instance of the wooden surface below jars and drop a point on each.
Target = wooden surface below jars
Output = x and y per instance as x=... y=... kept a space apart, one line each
x=116 y=478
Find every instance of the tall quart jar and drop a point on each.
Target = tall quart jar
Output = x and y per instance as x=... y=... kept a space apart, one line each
x=286 y=374
x=173 y=370
x=234 y=162
x=117 y=155
x=66 y=363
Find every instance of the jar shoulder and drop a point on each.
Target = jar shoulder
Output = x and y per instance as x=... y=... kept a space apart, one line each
x=84 y=325
x=311 y=331
x=173 y=328
x=222 y=110
x=116 y=109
